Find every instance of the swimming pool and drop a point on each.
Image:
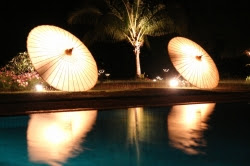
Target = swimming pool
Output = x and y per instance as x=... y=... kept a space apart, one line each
x=196 y=134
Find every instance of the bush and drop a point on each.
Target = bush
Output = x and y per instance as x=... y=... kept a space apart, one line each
x=9 y=81
x=20 y=64
x=19 y=74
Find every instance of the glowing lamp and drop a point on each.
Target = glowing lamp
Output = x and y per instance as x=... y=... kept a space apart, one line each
x=173 y=83
x=39 y=88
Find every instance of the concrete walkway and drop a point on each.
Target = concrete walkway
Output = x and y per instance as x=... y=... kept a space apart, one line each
x=20 y=103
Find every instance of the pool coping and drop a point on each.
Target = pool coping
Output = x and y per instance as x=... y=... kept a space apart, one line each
x=54 y=101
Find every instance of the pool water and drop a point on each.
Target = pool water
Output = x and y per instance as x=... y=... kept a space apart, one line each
x=199 y=134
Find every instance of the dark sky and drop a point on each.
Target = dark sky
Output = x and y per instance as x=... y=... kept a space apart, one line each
x=19 y=17
x=222 y=27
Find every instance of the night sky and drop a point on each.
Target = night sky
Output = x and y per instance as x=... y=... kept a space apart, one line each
x=222 y=29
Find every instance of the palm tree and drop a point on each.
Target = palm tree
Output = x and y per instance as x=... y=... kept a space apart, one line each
x=131 y=20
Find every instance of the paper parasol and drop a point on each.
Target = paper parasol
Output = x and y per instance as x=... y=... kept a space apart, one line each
x=61 y=59
x=193 y=63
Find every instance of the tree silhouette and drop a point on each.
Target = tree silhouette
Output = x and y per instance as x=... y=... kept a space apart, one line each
x=130 y=20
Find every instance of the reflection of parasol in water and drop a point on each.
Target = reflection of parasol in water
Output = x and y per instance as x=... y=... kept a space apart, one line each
x=193 y=63
x=61 y=59
x=186 y=124
x=52 y=138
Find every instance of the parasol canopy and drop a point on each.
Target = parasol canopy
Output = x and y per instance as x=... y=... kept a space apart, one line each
x=193 y=63
x=61 y=59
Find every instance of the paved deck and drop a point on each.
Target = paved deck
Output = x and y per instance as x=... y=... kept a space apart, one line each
x=38 y=102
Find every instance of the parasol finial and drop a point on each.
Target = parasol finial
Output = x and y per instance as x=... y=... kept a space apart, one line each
x=198 y=57
x=69 y=51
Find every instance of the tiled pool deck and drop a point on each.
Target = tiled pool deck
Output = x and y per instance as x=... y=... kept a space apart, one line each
x=30 y=102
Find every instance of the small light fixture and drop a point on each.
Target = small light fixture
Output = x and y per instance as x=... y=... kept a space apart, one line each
x=39 y=88
x=173 y=82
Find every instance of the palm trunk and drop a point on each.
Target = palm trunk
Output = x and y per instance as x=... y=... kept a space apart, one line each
x=137 y=59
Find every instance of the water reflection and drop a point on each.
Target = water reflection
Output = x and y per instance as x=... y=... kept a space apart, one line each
x=145 y=128
x=135 y=123
x=135 y=127
x=186 y=124
x=145 y=136
x=52 y=138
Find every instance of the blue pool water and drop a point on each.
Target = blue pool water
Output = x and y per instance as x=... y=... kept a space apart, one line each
x=207 y=134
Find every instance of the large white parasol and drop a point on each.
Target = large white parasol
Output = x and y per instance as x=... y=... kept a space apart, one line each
x=193 y=63
x=61 y=59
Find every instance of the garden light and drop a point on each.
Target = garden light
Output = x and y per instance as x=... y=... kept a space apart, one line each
x=101 y=71
x=39 y=88
x=247 y=52
x=173 y=82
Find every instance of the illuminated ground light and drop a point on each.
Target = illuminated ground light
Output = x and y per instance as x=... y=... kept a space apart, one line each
x=39 y=88
x=173 y=83
x=247 y=52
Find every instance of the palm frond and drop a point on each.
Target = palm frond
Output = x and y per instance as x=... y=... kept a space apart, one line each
x=126 y=19
x=88 y=16
x=114 y=10
x=109 y=28
x=160 y=27
x=156 y=22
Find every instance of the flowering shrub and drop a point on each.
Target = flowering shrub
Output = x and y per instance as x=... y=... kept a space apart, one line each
x=20 y=64
x=9 y=81
x=6 y=81
x=19 y=74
